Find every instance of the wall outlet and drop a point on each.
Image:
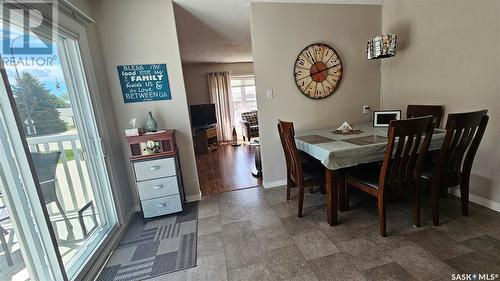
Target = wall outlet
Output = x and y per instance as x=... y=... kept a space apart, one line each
x=366 y=109
x=269 y=94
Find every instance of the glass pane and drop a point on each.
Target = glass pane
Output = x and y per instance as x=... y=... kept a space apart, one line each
x=237 y=104
x=11 y=259
x=248 y=81
x=243 y=98
x=236 y=82
x=251 y=98
x=23 y=252
x=47 y=107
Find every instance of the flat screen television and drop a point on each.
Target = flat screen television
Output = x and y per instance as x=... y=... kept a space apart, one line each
x=203 y=115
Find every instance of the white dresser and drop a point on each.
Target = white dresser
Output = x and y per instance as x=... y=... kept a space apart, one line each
x=159 y=183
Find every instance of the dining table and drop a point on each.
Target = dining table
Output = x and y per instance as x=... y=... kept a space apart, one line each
x=338 y=151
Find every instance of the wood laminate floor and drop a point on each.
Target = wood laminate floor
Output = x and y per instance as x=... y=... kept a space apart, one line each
x=227 y=168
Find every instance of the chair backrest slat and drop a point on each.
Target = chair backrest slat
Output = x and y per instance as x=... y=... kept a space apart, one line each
x=457 y=155
x=415 y=110
x=285 y=150
x=405 y=151
x=287 y=132
x=464 y=132
x=414 y=154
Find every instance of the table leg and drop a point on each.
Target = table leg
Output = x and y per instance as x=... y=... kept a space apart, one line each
x=332 y=197
x=339 y=181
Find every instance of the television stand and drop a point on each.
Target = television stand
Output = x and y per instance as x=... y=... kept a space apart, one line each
x=205 y=139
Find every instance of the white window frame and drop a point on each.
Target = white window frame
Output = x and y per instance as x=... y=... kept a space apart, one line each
x=242 y=90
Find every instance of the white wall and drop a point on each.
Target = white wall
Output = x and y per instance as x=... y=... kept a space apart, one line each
x=195 y=77
x=127 y=36
x=279 y=33
x=449 y=54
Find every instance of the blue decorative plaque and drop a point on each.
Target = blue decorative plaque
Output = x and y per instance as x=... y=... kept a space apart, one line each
x=144 y=82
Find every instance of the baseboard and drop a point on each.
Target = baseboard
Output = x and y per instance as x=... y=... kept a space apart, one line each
x=477 y=199
x=272 y=184
x=193 y=198
x=128 y=218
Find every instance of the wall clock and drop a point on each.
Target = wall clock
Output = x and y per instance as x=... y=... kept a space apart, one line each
x=318 y=70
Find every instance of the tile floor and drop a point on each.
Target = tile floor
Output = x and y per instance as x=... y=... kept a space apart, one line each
x=254 y=234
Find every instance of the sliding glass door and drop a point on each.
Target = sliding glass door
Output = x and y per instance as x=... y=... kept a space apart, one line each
x=49 y=101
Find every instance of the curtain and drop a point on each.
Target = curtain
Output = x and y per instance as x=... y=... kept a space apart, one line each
x=219 y=89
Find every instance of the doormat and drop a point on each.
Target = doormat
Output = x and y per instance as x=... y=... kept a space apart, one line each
x=161 y=246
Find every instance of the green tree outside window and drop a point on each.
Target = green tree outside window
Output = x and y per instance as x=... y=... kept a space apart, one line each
x=31 y=94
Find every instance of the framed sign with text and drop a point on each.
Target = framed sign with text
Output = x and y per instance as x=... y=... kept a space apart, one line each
x=144 y=82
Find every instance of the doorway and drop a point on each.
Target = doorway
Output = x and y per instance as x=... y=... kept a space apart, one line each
x=230 y=167
x=216 y=53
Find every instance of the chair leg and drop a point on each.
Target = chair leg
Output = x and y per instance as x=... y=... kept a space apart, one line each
x=288 y=187
x=5 y=248
x=464 y=195
x=63 y=214
x=301 y=199
x=311 y=190
x=435 y=192
x=416 y=206
x=381 y=215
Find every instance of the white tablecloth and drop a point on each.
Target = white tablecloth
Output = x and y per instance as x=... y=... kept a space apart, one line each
x=340 y=154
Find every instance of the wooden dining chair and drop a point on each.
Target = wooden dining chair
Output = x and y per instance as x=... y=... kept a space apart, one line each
x=414 y=110
x=464 y=132
x=300 y=173
x=407 y=144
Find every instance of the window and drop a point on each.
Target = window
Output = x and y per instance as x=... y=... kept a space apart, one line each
x=243 y=97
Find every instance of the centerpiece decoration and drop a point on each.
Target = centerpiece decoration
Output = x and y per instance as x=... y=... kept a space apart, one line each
x=346 y=129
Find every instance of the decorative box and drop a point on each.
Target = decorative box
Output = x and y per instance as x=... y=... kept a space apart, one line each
x=161 y=143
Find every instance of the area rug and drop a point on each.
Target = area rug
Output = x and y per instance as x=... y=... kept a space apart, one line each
x=161 y=246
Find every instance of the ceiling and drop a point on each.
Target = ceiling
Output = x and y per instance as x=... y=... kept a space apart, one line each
x=213 y=31
x=218 y=31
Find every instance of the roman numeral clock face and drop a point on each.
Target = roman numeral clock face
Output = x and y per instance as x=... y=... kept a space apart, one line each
x=318 y=70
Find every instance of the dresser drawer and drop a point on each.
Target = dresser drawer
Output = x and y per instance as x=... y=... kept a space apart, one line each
x=153 y=169
x=158 y=188
x=161 y=206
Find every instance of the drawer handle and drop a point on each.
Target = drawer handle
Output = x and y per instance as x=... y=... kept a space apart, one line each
x=162 y=205
x=158 y=186
x=155 y=167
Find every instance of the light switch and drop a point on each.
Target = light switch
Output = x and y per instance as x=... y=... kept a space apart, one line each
x=366 y=109
x=269 y=94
